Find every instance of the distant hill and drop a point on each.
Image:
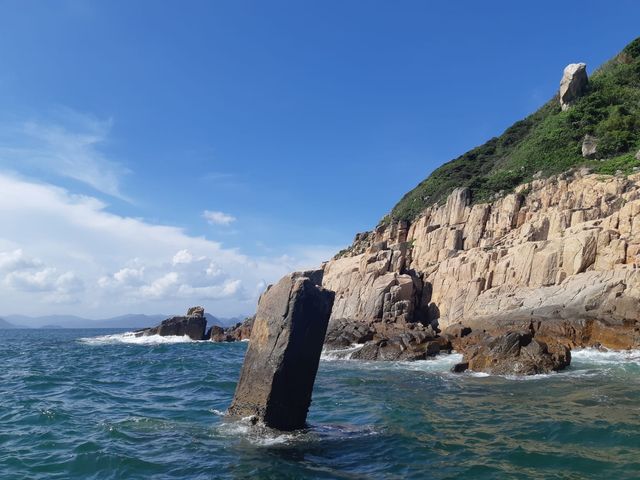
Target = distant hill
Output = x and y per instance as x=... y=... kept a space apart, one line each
x=131 y=321
x=4 y=324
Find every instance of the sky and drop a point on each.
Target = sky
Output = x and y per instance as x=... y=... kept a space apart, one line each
x=158 y=155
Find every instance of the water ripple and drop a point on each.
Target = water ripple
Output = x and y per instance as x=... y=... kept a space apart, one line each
x=81 y=405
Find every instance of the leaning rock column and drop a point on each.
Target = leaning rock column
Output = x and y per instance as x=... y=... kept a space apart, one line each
x=282 y=360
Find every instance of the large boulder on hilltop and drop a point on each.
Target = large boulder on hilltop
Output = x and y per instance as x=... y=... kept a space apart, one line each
x=573 y=84
x=282 y=360
x=589 y=146
x=192 y=325
x=514 y=353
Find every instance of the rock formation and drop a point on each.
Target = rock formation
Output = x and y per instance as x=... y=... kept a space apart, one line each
x=589 y=146
x=238 y=332
x=514 y=353
x=560 y=254
x=281 y=362
x=573 y=83
x=193 y=325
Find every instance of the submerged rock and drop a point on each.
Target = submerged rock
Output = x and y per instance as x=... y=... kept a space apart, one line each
x=193 y=325
x=282 y=360
x=514 y=353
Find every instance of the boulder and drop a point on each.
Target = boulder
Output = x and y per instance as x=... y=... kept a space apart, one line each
x=343 y=333
x=282 y=360
x=195 y=312
x=192 y=325
x=514 y=353
x=218 y=334
x=573 y=84
x=406 y=347
x=238 y=332
x=589 y=146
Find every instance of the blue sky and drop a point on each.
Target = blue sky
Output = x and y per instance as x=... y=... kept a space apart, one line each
x=294 y=124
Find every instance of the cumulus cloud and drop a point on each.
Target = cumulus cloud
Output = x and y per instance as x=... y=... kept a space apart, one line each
x=218 y=218
x=17 y=260
x=183 y=256
x=59 y=247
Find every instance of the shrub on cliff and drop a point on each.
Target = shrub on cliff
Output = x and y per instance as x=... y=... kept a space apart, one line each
x=549 y=141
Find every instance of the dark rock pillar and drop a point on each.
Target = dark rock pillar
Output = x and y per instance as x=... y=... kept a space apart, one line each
x=282 y=360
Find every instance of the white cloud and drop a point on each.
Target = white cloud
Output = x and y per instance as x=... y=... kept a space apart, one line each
x=69 y=147
x=17 y=260
x=60 y=288
x=161 y=286
x=59 y=247
x=183 y=256
x=218 y=218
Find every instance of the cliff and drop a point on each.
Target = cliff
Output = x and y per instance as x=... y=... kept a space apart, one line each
x=535 y=231
x=559 y=254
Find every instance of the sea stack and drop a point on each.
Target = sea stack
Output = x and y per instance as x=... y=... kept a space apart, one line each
x=282 y=360
x=193 y=325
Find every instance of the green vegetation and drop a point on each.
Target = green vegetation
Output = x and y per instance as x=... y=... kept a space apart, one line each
x=548 y=141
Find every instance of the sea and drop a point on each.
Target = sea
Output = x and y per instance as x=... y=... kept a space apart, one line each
x=103 y=404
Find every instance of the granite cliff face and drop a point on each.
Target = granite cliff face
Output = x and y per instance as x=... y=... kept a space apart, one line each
x=559 y=256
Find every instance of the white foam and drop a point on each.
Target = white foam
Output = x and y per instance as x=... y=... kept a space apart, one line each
x=131 y=338
x=594 y=356
x=609 y=358
x=442 y=362
x=342 y=353
x=257 y=434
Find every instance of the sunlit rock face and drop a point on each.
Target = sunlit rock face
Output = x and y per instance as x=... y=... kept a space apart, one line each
x=560 y=252
x=573 y=84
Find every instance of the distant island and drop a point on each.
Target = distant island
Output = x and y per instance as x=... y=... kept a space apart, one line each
x=128 y=321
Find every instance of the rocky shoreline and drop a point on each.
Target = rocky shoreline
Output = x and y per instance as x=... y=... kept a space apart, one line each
x=194 y=326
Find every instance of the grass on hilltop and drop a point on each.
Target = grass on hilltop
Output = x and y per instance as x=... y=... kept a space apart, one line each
x=548 y=141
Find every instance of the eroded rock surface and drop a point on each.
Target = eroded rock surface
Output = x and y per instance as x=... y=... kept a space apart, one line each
x=192 y=325
x=573 y=83
x=281 y=362
x=238 y=332
x=562 y=252
x=513 y=353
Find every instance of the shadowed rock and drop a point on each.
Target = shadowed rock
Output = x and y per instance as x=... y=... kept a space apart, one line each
x=236 y=333
x=193 y=325
x=515 y=353
x=282 y=360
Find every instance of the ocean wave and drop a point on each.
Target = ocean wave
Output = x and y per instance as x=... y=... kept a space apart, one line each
x=341 y=353
x=131 y=338
x=440 y=363
x=594 y=356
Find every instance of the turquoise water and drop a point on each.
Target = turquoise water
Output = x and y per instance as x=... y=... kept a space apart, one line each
x=73 y=406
